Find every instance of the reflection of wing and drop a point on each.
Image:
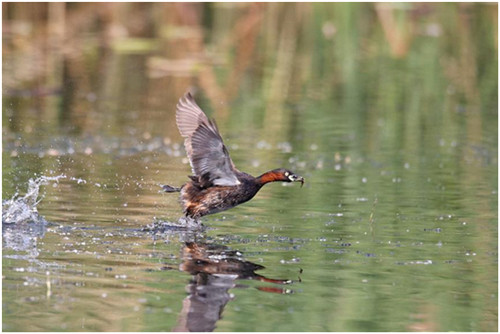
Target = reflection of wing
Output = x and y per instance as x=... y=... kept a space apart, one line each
x=205 y=149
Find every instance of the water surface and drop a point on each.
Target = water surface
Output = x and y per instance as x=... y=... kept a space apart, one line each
x=395 y=229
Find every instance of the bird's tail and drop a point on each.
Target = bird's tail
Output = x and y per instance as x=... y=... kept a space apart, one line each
x=169 y=189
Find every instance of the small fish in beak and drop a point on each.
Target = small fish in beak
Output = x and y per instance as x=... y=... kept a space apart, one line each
x=296 y=178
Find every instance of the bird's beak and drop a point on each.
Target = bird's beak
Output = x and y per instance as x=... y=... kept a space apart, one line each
x=301 y=180
x=296 y=178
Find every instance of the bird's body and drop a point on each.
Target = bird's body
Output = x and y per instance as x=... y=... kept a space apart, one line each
x=216 y=184
x=198 y=201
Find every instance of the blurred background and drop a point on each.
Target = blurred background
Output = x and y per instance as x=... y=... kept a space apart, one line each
x=370 y=58
x=390 y=111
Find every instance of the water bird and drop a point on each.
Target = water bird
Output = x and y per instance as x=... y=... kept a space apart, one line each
x=216 y=185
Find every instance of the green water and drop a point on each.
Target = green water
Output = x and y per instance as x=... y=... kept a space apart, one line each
x=395 y=229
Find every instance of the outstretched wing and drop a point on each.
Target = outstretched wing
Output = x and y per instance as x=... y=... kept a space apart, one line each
x=205 y=149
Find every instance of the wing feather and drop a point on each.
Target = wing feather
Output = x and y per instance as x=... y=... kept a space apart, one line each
x=208 y=156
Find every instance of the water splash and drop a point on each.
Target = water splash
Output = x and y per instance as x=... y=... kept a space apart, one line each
x=23 y=209
x=183 y=224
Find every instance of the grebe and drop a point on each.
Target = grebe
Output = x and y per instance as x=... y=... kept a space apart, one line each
x=216 y=184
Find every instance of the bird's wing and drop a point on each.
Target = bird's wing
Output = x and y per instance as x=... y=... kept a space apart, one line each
x=205 y=149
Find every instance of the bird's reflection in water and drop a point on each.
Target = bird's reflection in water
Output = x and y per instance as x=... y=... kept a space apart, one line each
x=215 y=269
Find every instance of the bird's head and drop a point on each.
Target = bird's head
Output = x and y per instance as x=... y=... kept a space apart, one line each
x=286 y=175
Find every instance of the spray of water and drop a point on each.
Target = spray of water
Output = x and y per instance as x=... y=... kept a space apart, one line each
x=23 y=209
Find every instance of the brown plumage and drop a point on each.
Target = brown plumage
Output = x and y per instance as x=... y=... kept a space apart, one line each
x=216 y=185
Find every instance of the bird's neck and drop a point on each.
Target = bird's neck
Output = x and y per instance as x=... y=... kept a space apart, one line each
x=267 y=177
